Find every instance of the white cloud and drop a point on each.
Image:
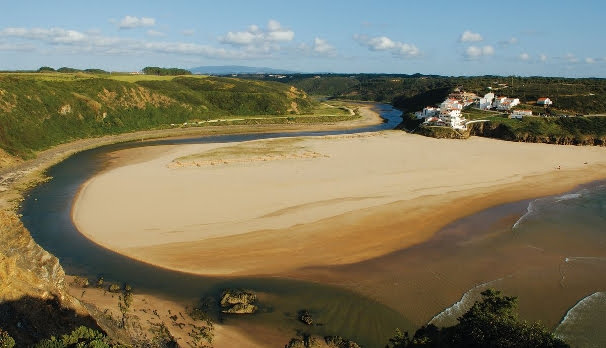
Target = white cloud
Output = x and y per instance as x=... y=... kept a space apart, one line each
x=571 y=58
x=72 y=42
x=474 y=52
x=188 y=32
x=383 y=43
x=469 y=36
x=589 y=60
x=16 y=47
x=258 y=39
x=321 y=46
x=52 y=35
x=524 y=56
x=130 y=22
x=542 y=57
x=155 y=33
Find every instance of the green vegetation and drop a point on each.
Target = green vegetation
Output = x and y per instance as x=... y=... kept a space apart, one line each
x=154 y=70
x=124 y=304
x=554 y=130
x=81 y=337
x=6 y=341
x=492 y=322
x=39 y=110
x=413 y=92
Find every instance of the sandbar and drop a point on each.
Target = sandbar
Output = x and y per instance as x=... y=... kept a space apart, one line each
x=272 y=207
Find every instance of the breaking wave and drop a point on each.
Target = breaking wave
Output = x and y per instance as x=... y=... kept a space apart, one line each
x=449 y=316
x=529 y=211
x=584 y=325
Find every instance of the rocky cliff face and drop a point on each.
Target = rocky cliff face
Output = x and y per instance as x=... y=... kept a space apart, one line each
x=25 y=268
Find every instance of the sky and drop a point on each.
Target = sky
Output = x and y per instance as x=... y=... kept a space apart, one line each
x=451 y=38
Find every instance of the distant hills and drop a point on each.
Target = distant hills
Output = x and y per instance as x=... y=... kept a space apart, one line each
x=237 y=69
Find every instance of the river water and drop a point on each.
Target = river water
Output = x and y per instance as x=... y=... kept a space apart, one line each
x=550 y=252
x=47 y=214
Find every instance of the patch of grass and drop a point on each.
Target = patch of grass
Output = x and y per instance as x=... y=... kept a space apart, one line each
x=273 y=147
x=132 y=78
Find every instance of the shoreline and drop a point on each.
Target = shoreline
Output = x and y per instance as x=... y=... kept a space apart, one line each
x=18 y=176
x=22 y=175
x=311 y=234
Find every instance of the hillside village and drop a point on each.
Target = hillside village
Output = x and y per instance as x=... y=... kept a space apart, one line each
x=449 y=112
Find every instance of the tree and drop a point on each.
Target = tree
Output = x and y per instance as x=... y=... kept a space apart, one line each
x=126 y=300
x=6 y=341
x=82 y=337
x=491 y=322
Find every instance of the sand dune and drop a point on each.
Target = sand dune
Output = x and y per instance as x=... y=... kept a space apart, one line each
x=227 y=209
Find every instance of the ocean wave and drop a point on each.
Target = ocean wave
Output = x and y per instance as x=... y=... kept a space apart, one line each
x=584 y=258
x=450 y=314
x=569 y=196
x=529 y=211
x=583 y=324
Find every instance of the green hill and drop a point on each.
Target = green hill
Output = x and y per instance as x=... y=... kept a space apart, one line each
x=39 y=110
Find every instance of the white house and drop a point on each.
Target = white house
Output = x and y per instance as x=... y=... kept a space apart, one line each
x=518 y=114
x=453 y=119
x=505 y=104
x=428 y=111
x=450 y=104
x=544 y=101
x=486 y=101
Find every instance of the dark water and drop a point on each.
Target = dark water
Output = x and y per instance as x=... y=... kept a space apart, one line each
x=550 y=252
x=558 y=246
x=46 y=213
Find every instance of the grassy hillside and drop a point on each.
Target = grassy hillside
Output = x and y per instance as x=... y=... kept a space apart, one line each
x=38 y=110
x=553 y=130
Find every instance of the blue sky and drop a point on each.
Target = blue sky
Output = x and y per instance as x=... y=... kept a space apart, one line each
x=549 y=38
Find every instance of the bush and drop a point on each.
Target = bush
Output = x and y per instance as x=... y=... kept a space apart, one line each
x=6 y=341
x=492 y=322
x=81 y=337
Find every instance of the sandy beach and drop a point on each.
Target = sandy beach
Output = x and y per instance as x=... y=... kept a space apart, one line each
x=277 y=206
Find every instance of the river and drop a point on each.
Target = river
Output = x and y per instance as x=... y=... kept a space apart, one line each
x=550 y=252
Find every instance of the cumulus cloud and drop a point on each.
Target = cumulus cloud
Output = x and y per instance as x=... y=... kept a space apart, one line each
x=469 y=36
x=188 y=32
x=256 y=38
x=130 y=22
x=52 y=35
x=475 y=52
x=542 y=57
x=589 y=60
x=524 y=56
x=321 y=46
x=383 y=43
x=72 y=41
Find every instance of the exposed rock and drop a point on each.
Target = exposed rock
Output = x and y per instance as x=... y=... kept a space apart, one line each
x=240 y=308
x=305 y=317
x=238 y=301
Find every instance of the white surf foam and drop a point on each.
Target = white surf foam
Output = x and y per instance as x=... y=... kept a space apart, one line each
x=449 y=315
x=529 y=211
x=583 y=324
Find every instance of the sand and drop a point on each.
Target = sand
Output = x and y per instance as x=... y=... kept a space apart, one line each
x=147 y=312
x=272 y=207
